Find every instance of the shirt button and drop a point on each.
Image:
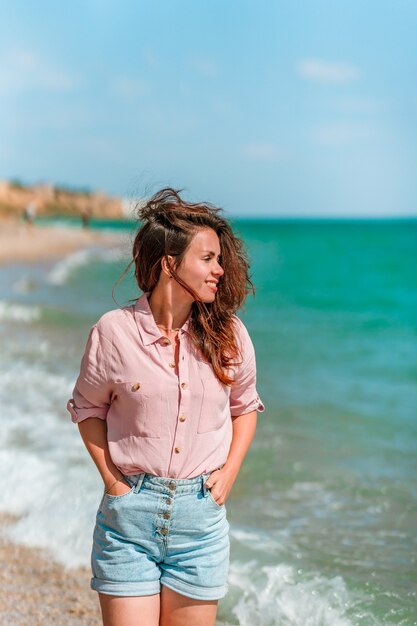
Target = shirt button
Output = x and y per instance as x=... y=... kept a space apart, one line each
x=177 y=450
x=136 y=386
x=182 y=418
x=166 y=342
x=172 y=365
x=184 y=385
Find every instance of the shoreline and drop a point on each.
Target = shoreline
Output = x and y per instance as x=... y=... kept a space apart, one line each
x=37 y=590
x=22 y=242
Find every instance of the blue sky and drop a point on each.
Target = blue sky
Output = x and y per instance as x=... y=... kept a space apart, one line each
x=266 y=108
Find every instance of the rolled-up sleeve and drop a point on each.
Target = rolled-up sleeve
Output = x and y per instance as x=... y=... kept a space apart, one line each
x=91 y=396
x=244 y=397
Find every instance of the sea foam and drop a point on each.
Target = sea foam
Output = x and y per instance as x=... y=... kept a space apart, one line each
x=64 y=268
x=283 y=596
x=10 y=311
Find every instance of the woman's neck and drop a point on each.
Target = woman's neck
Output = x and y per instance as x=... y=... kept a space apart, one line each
x=167 y=314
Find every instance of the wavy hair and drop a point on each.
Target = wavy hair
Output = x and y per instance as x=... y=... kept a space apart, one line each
x=168 y=224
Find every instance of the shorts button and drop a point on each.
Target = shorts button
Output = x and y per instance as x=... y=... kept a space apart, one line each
x=164 y=531
x=168 y=500
x=166 y=515
x=171 y=486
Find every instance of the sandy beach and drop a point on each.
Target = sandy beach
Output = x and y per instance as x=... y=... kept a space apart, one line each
x=37 y=591
x=22 y=242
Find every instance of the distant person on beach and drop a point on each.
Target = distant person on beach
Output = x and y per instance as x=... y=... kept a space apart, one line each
x=85 y=217
x=29 y=213
x=166 y=404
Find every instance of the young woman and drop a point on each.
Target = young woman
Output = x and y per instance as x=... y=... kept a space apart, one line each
x=166 y=406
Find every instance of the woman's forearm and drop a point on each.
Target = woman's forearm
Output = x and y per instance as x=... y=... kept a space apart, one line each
x=244 y=427
x=220 y=482
x=94 y=434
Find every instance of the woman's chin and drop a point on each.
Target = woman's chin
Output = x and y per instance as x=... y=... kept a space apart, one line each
x=206 y=298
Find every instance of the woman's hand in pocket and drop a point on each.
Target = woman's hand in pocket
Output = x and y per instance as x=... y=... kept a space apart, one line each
x=220 y=483
x=118 y=489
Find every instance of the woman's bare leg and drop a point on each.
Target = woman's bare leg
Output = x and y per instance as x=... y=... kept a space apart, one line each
x=130 y=611
x=178 y=610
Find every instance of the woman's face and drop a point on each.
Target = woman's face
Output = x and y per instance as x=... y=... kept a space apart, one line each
x=200 y=267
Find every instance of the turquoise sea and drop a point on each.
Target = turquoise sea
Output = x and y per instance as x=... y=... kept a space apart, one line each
x=323 y=514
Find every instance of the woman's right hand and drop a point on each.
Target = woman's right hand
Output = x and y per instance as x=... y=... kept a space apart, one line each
x=120 y=488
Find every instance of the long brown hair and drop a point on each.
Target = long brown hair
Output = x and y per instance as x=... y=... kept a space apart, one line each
x=168 y=226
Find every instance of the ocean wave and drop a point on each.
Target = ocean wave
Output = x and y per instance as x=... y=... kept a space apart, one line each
x=10 y=312
x=47 y=457
x=60 y=273
x=64 y=268
x=282 y=595
x=249 y=536
x=55 y=504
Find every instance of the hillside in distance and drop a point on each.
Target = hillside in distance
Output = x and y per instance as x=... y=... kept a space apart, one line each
x=50 y=199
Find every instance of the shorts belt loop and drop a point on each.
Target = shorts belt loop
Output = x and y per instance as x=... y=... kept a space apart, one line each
x=139 y=482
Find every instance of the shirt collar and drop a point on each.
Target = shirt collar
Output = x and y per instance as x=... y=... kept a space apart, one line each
x=148 y=330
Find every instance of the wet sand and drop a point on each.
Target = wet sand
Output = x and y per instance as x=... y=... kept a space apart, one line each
x=22 y=242
x=38 y=591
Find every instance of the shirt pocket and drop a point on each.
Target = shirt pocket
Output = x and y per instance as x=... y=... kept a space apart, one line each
x=215 y=400
x=138 y=407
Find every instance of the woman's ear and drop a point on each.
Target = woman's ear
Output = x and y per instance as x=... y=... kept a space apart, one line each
x=166 y=263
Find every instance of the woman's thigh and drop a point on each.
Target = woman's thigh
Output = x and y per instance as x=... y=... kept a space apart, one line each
x=130 y=610
x=179 y=610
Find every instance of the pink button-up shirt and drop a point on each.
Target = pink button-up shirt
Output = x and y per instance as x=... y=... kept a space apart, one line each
x=160 y=420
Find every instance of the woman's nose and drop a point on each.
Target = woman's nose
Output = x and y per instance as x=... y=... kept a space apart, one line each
x=220 y=270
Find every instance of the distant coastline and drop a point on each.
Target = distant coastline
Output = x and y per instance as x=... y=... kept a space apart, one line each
x=49 y=199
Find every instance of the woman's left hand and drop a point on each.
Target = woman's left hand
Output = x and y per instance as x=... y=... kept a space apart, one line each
x=220 y=483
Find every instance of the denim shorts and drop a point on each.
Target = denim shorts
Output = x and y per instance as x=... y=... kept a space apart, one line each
x=163 y=531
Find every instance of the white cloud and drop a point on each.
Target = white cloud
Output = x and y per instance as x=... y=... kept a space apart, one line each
x=341 y=133
x=129 y=88
x=363 y=105
x=24 y=70
x=260 y=151
x=205 y=67
x=326 y=72
x=151 y=57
